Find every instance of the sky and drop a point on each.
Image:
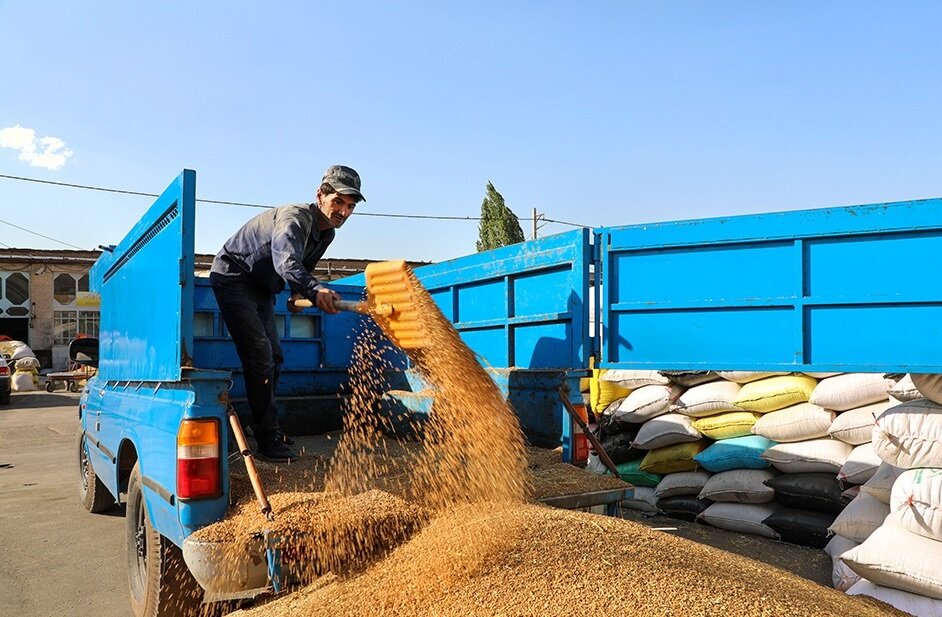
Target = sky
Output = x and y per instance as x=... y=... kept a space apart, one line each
x=600 y=113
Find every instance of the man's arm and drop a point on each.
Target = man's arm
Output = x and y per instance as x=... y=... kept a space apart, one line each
x=287 y=248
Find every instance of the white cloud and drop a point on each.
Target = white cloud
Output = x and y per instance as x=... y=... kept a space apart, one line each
x=46 y=152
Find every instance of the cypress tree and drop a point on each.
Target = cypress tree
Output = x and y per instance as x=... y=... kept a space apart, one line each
x=499 y=225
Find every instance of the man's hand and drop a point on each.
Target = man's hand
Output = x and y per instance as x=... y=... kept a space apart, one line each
x=325 y=301
x=291 y=305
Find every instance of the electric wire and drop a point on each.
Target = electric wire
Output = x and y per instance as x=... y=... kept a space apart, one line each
x=253 y=205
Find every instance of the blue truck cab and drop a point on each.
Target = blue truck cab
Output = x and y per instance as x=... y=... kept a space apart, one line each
x=836 y=289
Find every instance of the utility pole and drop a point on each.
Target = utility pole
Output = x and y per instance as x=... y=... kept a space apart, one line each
x=536 y=217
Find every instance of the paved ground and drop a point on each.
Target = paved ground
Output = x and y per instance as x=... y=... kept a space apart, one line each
x=56 y=559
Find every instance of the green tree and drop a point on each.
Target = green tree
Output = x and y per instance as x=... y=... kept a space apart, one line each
x=499 y=226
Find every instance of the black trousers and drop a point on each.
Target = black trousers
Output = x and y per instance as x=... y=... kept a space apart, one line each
x=249 y=314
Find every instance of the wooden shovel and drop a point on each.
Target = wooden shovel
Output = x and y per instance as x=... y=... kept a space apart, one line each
x=391 y=291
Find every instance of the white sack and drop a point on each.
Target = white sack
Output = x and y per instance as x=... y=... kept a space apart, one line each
x=851 y=390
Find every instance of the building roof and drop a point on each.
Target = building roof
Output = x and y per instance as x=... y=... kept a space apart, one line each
x=327 y=268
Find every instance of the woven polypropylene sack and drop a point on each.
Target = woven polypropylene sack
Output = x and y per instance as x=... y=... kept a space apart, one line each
x=824 y=455
x=851 y=390
x=666 y=430
x=740 y=486
x=855 y=426
x=910 y=435
x=632 y=379
x=742 y=517
x=796 y=423
x=809 y=491
x=708 y=399
x=881 y=484
x=842 y=577
x=642 y=500
x=895 y=557
x=804 y=527
x=916 y=502
x=860 y=465
x=905 y=390
x=683 y=507
x=689 y=379
x=727 y=425
x=911 y=603
x=860 y=518
x=929 y=385
x=735 y=453
x=646 y=402
x=774 y=393
x=682 y=483
x=671 y=459
x=745 y=376
x=631 y=473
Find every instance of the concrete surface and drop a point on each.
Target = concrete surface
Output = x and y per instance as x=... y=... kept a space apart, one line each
x=56 y=559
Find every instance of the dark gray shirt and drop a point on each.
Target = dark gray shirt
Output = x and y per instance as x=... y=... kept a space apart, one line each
x=277 y=246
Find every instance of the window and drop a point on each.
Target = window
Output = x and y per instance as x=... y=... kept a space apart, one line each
x=17 y=288
x=83 y=283
x=302 y=326
x=88 y=322
x=64 y=326
x=63 y=289
x=203 y=324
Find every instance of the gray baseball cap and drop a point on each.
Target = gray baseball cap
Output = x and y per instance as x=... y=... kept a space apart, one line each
x=344 y=180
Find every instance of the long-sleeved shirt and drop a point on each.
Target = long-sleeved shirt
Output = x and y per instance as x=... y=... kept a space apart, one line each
x=277 y=246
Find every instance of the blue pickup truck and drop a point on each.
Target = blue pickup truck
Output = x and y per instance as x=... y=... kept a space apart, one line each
x=837 y=289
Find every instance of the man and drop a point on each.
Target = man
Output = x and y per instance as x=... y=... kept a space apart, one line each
x=280 y=245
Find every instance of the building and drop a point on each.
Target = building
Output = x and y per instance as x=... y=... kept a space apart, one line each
x=45 y=300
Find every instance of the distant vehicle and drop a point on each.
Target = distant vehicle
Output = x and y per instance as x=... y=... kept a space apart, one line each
x=5 y=381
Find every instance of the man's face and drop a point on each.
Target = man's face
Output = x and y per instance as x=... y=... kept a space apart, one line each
x=336 y=207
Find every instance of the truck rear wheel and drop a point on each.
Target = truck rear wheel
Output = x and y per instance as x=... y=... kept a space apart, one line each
x=95 y=497
x=159 y=581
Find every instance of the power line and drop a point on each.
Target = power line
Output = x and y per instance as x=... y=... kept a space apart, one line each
x=252 y=205
x=36 y=233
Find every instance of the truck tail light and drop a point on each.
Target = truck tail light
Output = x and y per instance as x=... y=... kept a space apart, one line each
x=4 y=369
x=580 y=443
x=198 y=468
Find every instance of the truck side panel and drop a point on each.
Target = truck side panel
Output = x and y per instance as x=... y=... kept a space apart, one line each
x=837 y=289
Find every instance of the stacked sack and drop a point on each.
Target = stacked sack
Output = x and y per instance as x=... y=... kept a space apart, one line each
x=857 y=400
x=899 y=561
x=811 y=460
x=26 y=366
x=642 y=443
x=739 y=500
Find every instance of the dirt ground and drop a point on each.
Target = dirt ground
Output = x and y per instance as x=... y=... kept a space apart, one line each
x=810 y=563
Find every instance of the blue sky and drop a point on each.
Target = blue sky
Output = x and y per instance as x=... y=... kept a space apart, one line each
x=597 y=113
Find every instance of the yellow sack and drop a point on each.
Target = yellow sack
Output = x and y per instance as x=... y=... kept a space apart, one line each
x=671 y=459
x=607 y=391
x=774 y=393
x=727 y=425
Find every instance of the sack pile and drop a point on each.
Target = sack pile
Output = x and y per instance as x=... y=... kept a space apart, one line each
x=26 y=366
x=897 y=561
x=769 y=454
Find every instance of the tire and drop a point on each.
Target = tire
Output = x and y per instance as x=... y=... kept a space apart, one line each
x=4 y=398
x=73 y=387
x=158 y=579
x=95 y=496
x=50 y=386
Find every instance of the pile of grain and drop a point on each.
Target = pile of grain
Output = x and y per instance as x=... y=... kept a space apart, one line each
x=322 y=532
x=533 y=560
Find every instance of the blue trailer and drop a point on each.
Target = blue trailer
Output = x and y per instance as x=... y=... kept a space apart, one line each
x=808 y=291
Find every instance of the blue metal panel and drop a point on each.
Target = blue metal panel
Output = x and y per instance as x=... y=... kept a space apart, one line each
x=146 y=289
x=489 y=296
x=836 y=289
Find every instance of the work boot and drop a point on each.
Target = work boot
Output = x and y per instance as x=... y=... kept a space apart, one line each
x=279 y=436
x=276 y=452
